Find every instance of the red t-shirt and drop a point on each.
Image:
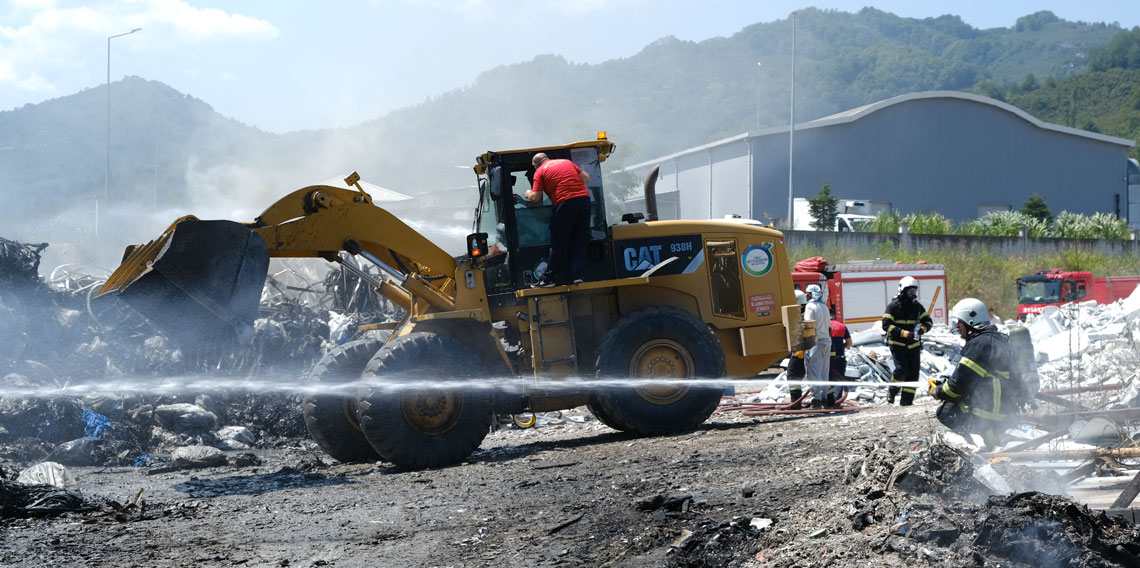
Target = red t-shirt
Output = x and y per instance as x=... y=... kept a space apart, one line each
x=559 y=180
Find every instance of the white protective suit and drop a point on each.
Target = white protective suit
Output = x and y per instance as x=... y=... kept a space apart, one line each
x=818 y=360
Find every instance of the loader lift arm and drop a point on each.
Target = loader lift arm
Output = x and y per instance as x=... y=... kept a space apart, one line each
x=206 y=276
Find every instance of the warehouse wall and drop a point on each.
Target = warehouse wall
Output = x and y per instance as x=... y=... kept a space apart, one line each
x=947 y=155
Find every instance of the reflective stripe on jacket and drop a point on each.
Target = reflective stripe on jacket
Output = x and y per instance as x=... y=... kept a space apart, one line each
x=905 y=316
x=977 y=384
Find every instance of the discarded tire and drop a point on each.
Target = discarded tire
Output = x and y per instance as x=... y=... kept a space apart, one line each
x=409 y=417
x=331 y=418
x=658 y=343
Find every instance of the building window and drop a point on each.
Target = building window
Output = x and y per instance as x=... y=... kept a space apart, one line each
x=724 y=273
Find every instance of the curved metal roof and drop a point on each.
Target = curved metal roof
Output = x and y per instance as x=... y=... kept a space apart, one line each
x=857 y=113
x=860 y=112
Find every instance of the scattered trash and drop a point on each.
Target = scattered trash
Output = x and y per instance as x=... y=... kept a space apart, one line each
x=96 y=424
x=197 y=457
x=185 y=418
x=49 y=473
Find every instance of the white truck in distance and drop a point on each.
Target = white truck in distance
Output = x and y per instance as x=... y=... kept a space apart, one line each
x=851 y=213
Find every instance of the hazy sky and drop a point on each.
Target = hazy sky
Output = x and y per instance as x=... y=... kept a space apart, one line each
x=283 y=65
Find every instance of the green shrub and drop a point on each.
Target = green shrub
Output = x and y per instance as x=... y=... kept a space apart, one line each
x=1003 y=224
x=928 y=224
x=884 y=222
x=1105 y=226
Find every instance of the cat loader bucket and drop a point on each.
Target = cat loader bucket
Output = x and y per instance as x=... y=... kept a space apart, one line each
x=199 y=280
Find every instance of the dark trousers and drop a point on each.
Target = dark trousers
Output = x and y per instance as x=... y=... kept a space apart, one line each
x=906 y=369
x=838 y=373
x=569 y=235
x=796 y=371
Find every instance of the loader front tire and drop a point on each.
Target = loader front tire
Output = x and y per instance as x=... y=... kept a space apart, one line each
x=658 y=342
x=331 y=418
x=423 y=409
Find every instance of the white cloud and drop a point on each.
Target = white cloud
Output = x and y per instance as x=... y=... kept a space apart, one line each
x=198 y=24
x=42 y=42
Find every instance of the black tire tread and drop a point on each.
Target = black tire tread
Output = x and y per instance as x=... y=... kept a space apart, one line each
x=611 y=405
x=324 y=414
x=384 y=426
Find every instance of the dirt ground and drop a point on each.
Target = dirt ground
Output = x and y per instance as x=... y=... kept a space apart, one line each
x=863 y=488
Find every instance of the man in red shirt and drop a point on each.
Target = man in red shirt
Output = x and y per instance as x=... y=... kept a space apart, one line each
x=565 y=183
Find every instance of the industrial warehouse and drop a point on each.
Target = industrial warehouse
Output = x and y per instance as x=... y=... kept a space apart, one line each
x=898 y=154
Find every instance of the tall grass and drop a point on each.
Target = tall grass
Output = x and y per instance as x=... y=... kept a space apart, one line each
x=1004 y=224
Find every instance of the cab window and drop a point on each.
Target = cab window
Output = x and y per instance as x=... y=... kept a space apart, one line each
x=724 y=275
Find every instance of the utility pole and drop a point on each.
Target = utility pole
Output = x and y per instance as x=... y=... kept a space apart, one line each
x=107 y=173
x=792 y=127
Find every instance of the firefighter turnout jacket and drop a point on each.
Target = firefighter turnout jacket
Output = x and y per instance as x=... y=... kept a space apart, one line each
x=900 y=321
x=982 y=379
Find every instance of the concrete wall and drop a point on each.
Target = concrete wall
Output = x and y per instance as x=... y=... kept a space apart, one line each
x=871 y=245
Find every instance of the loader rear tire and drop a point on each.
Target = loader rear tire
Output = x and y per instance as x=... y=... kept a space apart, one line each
x=658 y=342
x=331 y=418
x=411 y=419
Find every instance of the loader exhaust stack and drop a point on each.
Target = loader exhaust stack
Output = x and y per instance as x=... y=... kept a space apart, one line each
x=651 y=194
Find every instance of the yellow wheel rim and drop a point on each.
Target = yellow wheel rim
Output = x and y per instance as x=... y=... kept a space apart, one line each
x=661 y=359
x=524 y=420
x=432 y=413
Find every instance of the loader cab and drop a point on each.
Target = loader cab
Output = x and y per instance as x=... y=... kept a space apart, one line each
x=518 y=232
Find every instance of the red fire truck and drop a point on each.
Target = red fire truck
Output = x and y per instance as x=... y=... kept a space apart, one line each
x=1054 y=287
x=858 y=292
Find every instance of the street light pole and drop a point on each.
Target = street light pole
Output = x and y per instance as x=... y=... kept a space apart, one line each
x=107 y=173
x=759 y=79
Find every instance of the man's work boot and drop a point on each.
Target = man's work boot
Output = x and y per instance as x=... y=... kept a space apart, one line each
x=794 y=395
x=907 y=399
x=830 y=400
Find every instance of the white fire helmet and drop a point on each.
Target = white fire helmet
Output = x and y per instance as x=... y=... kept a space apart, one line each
x=801 y=298
x=972 y=311
x=907 y=282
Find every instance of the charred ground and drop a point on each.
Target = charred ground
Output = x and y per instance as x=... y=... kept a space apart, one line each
x=866 y=488
x=873 y=487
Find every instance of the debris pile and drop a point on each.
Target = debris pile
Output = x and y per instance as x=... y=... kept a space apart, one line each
x=935 y=505
x=57 y=339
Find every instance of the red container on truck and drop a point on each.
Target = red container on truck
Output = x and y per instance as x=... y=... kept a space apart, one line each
x=1054 y=287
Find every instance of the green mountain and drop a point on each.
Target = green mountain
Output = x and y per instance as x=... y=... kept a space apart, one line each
x=171 y=153
x=1105 y=99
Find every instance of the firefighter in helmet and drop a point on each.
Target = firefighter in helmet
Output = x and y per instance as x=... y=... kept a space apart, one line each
x=981 y=392
x=905 y=322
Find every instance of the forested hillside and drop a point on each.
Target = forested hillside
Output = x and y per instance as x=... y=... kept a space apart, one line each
x=171 y=153
x=1105 y=99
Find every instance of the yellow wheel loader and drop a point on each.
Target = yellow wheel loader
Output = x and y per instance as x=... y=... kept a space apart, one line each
x=668 y=312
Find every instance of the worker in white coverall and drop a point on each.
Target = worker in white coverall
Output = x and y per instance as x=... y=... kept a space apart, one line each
x=819 y=357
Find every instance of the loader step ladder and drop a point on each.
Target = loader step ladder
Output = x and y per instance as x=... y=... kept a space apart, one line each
x=553 y=348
